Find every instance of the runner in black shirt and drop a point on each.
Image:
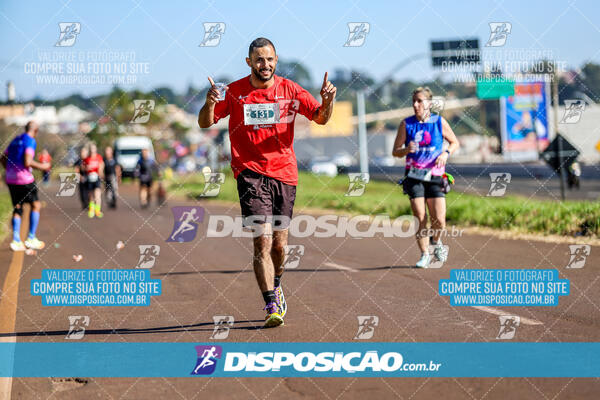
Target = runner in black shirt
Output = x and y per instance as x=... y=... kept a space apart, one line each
x=145 y=170
x=78 y=165
x=112 y=177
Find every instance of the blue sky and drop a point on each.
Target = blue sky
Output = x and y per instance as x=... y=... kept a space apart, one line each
x=167 y=34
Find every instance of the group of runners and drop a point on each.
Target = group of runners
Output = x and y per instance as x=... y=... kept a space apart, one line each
x=93 y=169
x=262 y=108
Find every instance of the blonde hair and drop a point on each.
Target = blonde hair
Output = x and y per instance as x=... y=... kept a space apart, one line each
x=422 y=89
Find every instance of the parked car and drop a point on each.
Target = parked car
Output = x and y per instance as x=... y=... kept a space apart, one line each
x=323 y=166
x=128 y=150
x=343 y=160
x=384 y=161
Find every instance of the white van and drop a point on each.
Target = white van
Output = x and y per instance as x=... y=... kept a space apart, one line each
x=128 y=150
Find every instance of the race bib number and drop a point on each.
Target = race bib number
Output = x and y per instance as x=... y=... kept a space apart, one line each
x=261 y=114
x=92 y=177
x=421 y=174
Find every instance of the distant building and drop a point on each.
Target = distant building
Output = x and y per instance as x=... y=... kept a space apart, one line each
x=72 y=113
x=176 y=114
x=13 y=110
x=11 y=93
x=64 y=121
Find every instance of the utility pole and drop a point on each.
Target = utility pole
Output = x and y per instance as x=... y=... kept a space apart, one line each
x=363 y=151
x=559 y=147
x=362 y=133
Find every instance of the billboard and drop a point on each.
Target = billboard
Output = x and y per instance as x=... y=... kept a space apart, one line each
x=524 y=119
x=454 y=52
x=494 y=88
x=340 y=123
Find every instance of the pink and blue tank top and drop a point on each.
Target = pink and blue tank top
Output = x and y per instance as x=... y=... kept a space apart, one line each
x=428 y=136
x=16 y=172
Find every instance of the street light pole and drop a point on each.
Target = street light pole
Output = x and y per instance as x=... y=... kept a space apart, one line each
x=362 y=133
x=363 y=151
x=559 y=147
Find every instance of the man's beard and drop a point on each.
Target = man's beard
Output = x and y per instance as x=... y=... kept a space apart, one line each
x=258 y=75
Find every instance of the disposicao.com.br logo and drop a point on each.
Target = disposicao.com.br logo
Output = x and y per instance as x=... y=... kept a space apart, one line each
x=187 y=221
x=324 y=226
x=326 y=362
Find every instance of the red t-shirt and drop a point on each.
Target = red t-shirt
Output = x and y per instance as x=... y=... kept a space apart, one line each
x=44 y=157
x=92 y=163
x=269 y=148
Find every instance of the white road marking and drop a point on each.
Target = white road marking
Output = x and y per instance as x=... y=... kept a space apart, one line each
x=338 y=266
x=212 y=233
x=497 y=311
x=6 y=381
x=8 y=314
x=9 y=298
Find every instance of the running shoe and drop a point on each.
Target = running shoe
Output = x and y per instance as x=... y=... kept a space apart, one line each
x=280 y=300
x=273 y=317
x=440 y=252
x=424 y=261
x=34 y=243
x=17 y=246
x=99 y=214
x=91 y=213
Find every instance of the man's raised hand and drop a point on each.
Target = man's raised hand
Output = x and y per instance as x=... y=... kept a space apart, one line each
x=327 y=91
x=212 y=96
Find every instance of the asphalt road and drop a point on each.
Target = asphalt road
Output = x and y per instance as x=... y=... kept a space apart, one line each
x=530 y=180
x=337 y=280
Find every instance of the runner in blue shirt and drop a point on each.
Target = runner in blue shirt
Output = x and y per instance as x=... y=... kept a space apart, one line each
x=18 y=160
x=421 y=139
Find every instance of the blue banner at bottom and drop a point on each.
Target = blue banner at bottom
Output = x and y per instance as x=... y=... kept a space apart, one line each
x=300 y=359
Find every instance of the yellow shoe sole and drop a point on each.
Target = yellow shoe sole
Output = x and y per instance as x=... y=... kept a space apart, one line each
x=40 y=247
x=273 y=320
x=17 y=248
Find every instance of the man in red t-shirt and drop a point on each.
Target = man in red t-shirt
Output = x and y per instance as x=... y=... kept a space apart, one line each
x=262 y=108
x=45 y=157
x=93 y=166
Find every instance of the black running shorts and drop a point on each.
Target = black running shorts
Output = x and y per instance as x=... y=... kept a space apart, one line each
x=20 y=194
x=415 y=188
x=262 y=197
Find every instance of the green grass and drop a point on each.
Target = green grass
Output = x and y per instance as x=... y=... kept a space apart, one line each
x=5 y=213
x=513 y=213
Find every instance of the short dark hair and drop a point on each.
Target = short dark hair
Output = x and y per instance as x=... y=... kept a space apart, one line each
x=28 y=126
x=260 y=42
